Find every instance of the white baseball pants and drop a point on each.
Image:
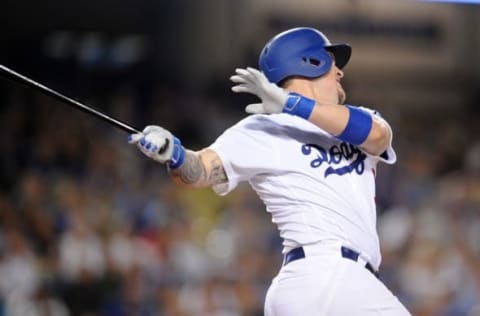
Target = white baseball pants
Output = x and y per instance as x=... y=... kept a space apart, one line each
x=325 y=283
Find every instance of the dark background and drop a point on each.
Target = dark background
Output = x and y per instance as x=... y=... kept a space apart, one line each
x=88 y=226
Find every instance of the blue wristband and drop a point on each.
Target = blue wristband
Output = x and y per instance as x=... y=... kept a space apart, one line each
x=299 y=105
x=358 y=127
x=178 y=155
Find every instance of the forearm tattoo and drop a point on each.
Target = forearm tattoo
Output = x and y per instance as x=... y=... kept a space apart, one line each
x=194 y=171
x=217 y=174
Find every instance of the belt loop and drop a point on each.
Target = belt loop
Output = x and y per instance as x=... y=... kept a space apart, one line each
x=349 y=253
x=294 y=254
x=346 y=252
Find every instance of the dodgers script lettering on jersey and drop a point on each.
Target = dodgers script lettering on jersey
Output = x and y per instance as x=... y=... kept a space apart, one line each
x=334 y=156
x=305 y=178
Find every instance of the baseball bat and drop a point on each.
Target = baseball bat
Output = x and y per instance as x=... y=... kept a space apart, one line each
x=13 y=76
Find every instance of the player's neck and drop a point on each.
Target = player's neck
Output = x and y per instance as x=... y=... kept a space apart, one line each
x=309 y=89
x=301 y=86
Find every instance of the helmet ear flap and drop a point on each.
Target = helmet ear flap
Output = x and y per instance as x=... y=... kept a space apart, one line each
x=319 y=59
x=311 y=61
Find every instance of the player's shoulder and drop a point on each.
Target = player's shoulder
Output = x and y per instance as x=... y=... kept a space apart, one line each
x=280 y=119
x=255 y=124
x=274 y=124
x=259 y=121
x=252 y=129
x=253 y=118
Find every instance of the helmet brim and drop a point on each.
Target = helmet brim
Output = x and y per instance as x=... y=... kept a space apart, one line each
x=342 y=53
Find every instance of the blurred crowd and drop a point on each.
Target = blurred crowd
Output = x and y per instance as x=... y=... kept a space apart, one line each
x=88 y=226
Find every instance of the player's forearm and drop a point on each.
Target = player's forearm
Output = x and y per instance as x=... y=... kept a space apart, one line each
x=191 y=172
x=200 y=169
x=348 y=123
x=334 y=118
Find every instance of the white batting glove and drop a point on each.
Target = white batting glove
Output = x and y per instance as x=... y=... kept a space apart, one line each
x=253 y=81
x=274 y=99
x=160 y=145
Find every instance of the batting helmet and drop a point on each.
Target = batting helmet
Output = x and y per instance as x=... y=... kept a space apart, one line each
x=301 y=51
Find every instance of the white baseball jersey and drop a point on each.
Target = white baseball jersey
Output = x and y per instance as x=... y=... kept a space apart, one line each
x=316 y=187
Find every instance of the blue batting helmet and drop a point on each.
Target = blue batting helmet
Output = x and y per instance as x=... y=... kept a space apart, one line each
x=301 y=51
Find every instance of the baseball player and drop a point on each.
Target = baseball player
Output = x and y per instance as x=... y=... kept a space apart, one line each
x=311 y=158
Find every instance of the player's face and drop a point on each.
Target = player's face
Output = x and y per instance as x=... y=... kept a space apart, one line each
x=337 y=75
x=334 y=77
x=329 y=86
x=342 y=96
